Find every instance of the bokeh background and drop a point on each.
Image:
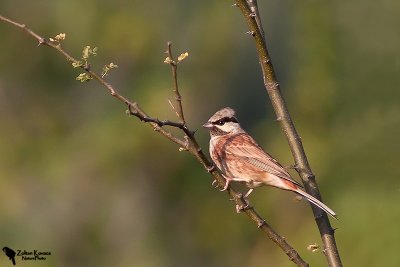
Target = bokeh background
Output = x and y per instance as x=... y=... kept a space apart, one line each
x=95 y=187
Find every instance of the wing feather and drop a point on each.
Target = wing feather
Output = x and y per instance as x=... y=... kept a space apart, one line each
x=243 y=147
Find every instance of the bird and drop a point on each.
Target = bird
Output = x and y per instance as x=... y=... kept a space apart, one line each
x=10 y=254
x=238 y=156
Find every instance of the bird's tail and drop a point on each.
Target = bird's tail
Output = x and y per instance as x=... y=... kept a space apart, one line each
x=316 y=202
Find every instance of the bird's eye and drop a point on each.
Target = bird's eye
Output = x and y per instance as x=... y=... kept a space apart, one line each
x=221 y=122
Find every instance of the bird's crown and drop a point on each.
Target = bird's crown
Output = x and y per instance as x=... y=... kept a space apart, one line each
x=223 y=113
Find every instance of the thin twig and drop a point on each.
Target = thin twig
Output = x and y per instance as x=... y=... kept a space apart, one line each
x=192 y=145
x=250 y=12
x=174 y=70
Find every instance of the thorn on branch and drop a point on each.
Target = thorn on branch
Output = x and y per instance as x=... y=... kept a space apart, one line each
x=241 y=208
x=252 y=33
x=261 y=223
x=42 y=41
x=298 y=138
x=272 y=86
x=298 y=169
x=293 y=166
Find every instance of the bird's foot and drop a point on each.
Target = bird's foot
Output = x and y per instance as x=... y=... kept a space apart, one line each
x=210 y=168
x=226 y=185
x=261 y=223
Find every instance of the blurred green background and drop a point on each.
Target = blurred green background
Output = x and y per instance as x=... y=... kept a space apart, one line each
x=97 y=188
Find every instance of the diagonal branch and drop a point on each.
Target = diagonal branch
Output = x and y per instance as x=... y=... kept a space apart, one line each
x=250 y=11
x=190 y=143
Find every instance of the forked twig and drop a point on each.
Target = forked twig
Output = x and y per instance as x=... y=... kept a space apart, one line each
x=178 y=98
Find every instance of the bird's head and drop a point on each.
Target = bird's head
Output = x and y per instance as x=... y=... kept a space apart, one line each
x=223 y=122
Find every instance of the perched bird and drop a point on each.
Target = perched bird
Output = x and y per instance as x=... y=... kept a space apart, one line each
x=241 y=159
x=10 y=254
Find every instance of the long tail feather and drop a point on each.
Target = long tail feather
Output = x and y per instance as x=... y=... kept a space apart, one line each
x=317 y=203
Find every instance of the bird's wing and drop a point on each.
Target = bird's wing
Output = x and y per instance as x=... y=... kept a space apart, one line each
x=245 y=148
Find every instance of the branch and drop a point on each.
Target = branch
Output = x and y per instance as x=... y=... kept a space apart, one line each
x=250 y=11
x=190 y=143
x=178 y=98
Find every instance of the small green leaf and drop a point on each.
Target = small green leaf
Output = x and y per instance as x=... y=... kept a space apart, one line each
x=77 y=64
x=168 y=60
x=60 y=37
x=85 y=52
x=183 y=56
x=84 y=77
x=108 y=67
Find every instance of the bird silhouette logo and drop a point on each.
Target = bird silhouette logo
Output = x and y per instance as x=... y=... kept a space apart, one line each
x=10 y=254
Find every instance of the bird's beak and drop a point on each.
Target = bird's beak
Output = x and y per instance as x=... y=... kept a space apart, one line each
x=207 y=125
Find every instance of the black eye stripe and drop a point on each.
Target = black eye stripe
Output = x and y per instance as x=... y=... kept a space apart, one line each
x=224 y=120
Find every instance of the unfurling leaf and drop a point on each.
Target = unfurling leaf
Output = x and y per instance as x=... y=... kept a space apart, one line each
x=77 y=64
x=183 y=56
x=84 y=77
x=87 y=52
x=168 y=60
x=108 y=67
x=60 y=37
